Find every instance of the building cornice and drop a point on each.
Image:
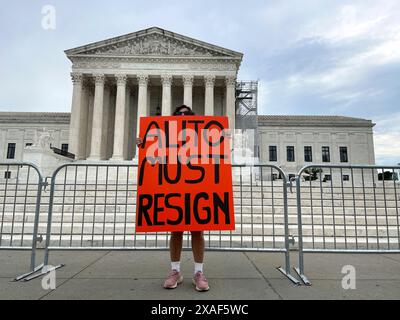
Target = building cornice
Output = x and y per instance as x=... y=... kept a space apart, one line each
x=114 y=62
x=35 y=117
x=263 y=120
x=312 y=121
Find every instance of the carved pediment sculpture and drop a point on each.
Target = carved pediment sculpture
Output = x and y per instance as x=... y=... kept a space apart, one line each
x=154 y=44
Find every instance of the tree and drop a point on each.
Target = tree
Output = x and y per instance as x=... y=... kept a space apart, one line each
x=312 y=174
x=388 y=175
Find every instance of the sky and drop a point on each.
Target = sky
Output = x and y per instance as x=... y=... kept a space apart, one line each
x=310 y=57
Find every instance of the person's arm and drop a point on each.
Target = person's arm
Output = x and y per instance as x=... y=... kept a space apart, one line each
x=139 y=141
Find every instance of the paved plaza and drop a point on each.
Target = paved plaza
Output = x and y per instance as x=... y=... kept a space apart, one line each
x=232 y=276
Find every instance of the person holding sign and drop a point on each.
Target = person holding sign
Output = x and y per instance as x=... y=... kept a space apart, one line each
x=193 y=193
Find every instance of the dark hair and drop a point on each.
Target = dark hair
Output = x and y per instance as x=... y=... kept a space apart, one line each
x=178 y=110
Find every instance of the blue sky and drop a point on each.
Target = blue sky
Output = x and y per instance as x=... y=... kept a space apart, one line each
x=310 y=57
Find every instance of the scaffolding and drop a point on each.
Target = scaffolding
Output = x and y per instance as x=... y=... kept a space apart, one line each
x=246 y=112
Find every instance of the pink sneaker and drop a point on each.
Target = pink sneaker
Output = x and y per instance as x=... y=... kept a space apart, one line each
x=174 y=278
x=200 y=282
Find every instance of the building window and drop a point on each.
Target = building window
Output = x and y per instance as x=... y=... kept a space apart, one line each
x=326 y=157
x=327 y=177
x=343 y=154
x=11 y=151
x=29 y=144
x=7 y=174
x=290 y=153
x=272 y=153
x=346 y=177
x=64 y=147
x=307 y=154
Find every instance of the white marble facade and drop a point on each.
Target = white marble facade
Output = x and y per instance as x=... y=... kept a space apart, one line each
x=152 y=71
x=117 y=81
x=315 y=132
x=23 y=128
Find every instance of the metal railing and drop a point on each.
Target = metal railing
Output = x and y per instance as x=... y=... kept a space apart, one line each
x=92 y=207
x=336 y=208
x=347 y=209
x=21 y=186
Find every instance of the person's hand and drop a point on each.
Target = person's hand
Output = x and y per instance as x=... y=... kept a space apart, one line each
x=139 y=141
x=227 y=133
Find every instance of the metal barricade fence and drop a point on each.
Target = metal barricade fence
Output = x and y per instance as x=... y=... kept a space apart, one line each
x=350 y=208
x=92 y=207
x=21 y=186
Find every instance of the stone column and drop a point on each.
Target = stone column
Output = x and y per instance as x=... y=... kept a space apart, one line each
x=166 y=81
x=84 y=114
x=128 y=116
x=105 y=139
x=74 y=127
x=148 y=98
x=97 y=123
x=89 y=124
x=120 y=109
x=209 y=82
x=188 y=91
x=230 y=109
x=143 y=81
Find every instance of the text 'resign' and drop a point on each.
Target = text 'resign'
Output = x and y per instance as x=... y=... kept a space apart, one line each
x=184 y=174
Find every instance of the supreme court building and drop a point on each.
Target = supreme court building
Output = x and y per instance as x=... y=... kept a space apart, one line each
x=151 y=72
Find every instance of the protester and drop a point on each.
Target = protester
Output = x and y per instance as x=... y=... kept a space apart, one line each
x=175 y=276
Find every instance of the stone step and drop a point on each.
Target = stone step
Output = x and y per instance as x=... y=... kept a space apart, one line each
x=277 y=218
x=348 y=243
x=161 y=242
x=9 y=209
x=140 y=241
x=118 y=228
x=267 y=210
x=216 y=239
x=388 y=188
x=246 y=197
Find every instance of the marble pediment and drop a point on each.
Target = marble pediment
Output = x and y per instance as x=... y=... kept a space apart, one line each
x=154 y=42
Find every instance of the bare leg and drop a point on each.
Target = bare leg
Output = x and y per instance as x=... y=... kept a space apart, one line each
x=175 y=246
x=198 y=246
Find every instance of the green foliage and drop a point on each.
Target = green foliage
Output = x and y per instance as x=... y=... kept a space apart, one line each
x=388 y=175
x=311 y=174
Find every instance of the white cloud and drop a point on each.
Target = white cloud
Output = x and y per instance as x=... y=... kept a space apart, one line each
x=388 y=123
x=347 y=22
x=346 y=25
x=314 y=57
x=387 y=139
x=263 y=95
x=387 y=144
x=386 y=52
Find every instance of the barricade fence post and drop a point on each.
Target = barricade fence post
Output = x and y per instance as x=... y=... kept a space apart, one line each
x=286 y=271
x=92 y=207
x=300 y=269
x=347 y=209
x=20 y=202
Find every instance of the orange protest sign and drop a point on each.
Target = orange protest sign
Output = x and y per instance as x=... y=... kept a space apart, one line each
x=184 y=175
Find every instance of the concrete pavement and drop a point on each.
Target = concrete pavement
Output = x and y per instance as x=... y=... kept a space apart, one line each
x=232 y=275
